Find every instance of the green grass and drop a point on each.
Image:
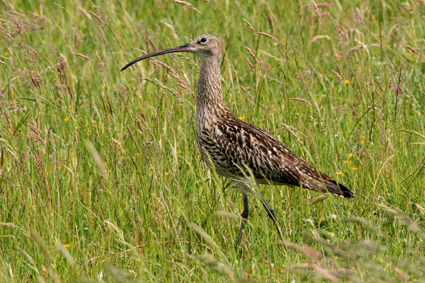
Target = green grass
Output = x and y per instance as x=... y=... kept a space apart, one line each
x=156 y=213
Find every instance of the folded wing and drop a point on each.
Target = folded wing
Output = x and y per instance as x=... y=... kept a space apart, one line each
x=236 y=145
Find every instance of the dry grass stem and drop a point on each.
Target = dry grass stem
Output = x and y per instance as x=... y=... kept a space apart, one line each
x=84 y=56
x=412 y=49
x=97 y=17
x=84 y=12
x=300 y=99
x=268 y=36
x=250 y=26
x=339 y=77
x=186 y=4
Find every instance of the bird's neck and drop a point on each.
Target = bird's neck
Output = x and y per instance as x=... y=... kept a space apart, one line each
x=209 y=97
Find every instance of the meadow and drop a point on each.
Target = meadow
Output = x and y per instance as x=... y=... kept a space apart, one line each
x=101 y=179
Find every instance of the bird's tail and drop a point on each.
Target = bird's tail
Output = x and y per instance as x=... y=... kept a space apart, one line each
x=339 y=189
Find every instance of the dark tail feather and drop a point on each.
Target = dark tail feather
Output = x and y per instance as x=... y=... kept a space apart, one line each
x=340 y=189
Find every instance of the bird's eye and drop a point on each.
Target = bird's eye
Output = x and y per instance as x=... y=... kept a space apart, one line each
x=203 y=40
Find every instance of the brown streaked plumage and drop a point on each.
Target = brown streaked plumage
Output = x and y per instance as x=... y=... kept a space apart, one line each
x=236 y=148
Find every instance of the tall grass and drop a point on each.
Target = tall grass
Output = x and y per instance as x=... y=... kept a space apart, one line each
x=100 y=176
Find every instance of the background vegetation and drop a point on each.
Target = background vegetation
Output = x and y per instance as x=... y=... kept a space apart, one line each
x=100 y=176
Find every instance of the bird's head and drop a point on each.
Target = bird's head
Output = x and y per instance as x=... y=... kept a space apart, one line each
x=205 y=46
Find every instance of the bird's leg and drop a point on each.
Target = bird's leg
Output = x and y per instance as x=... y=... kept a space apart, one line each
x=272 y=215
x=244 y=215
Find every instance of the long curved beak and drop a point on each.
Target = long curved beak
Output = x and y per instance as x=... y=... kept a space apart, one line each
x=182 y=48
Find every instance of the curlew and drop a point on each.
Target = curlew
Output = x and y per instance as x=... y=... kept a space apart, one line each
x=238 y=150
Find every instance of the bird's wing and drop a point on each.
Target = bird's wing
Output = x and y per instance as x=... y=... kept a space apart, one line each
x=238 y=144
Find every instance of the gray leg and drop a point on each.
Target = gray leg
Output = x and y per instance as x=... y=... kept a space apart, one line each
x=271 y=214
x=244 y=215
